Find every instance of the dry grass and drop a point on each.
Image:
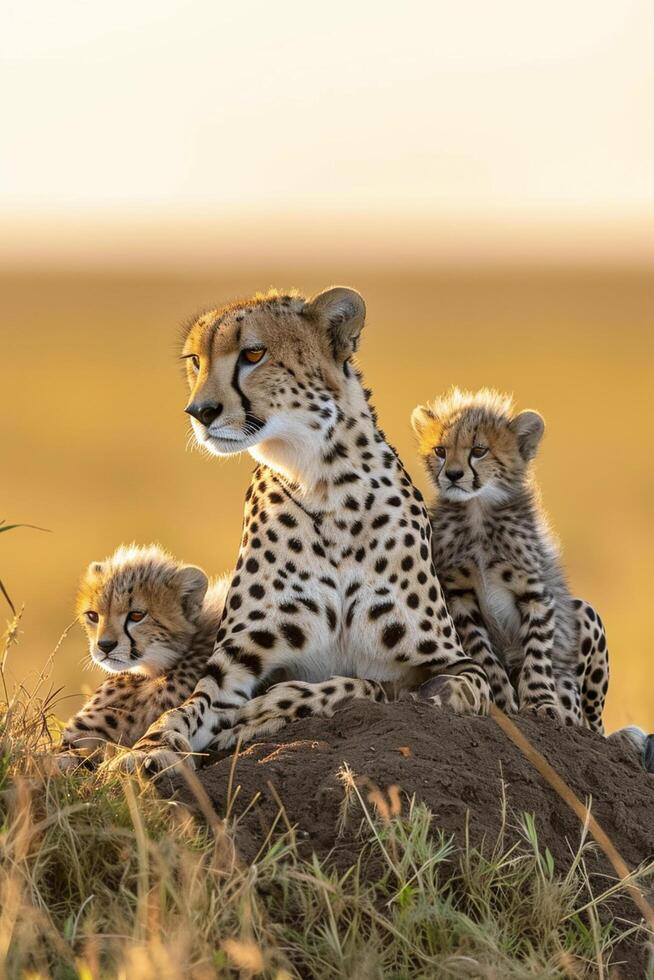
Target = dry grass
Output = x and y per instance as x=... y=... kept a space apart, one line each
x=103 y=878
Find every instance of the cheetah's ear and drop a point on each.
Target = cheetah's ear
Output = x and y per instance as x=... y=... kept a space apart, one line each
x=95 y=568
x=341 y=312
x=193 y=584
x=528 y=428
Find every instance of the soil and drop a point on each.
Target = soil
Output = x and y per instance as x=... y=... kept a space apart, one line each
x=456 y=765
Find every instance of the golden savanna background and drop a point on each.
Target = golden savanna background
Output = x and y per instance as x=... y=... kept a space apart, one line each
x=482 y=173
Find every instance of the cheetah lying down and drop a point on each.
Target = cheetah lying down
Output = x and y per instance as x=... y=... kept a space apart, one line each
x=151 y=623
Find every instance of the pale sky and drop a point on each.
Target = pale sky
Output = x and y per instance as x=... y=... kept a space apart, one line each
x=484 y=111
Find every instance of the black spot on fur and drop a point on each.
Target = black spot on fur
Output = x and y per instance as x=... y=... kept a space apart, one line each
x=392 y=634
x=249 y=660
x=294 y=635
x=263 y=638
x=216 y=672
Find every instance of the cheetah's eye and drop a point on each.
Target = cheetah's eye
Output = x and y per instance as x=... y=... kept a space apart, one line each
x=91 y=616
x=253 y=355
x=478 y=452
x=193 y=360
x=135 y=617
x=440 y=451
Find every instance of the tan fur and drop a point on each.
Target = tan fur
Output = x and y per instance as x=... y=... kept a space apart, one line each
x=499 y=563
x=159 y=663
x=281 y=327
x=334 y=575
x=462 y=420
x=145 y=580
x=322 y=332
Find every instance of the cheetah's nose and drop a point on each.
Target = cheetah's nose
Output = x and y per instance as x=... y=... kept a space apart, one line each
x=205 y=412
x=107 y=645
x=454 y=475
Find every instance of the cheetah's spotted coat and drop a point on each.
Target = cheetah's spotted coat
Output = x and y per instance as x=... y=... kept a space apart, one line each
x=335 y=574
x=500 y=566
x=154 y=663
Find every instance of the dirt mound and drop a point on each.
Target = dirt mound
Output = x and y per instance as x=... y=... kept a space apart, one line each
x=454 y=764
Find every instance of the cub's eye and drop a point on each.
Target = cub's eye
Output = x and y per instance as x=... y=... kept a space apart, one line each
x=478 y=451
x=440 y=451
x=135 y=617
x=253 y=355
x=91 y=616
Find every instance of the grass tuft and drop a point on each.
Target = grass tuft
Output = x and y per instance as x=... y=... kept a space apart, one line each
x=101 y=877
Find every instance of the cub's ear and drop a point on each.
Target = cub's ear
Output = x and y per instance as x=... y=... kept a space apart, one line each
x=341 y=312
x=528 y=428
x=193 y=584
x=95 y=568
x=426 y=427
x=422 y=418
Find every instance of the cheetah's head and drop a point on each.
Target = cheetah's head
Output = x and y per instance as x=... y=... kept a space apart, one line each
x=140 y=608
x=267 y=374
x=473 y=445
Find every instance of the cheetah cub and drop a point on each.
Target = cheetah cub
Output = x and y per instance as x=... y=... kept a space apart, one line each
x=499 y=564
x=151 y=623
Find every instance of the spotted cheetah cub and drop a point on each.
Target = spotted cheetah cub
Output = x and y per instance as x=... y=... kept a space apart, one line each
x=499 y=564
x=151 y=623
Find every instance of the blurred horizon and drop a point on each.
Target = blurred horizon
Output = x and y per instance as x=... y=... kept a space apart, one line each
x=181 y=243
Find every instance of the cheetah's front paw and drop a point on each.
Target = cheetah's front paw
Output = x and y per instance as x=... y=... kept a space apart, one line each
x=457 y=692
x=153 y=756
x=69 y=761
x=547 y=709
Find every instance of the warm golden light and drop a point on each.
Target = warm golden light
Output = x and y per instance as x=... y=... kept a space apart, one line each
x=161 y=131
x=481 y=172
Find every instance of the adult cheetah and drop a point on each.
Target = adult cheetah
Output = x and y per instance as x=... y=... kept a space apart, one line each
x=335 y=574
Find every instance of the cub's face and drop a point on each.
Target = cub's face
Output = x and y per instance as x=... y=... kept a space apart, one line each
x=265 y=374
x=136 y=622
x=473 y=450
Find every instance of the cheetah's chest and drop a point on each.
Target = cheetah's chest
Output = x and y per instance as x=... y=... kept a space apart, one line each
x=348 y=590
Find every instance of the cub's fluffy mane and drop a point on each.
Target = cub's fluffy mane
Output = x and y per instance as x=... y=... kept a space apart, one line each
x=148 y=566
x=491 y=405
x=485 y=407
